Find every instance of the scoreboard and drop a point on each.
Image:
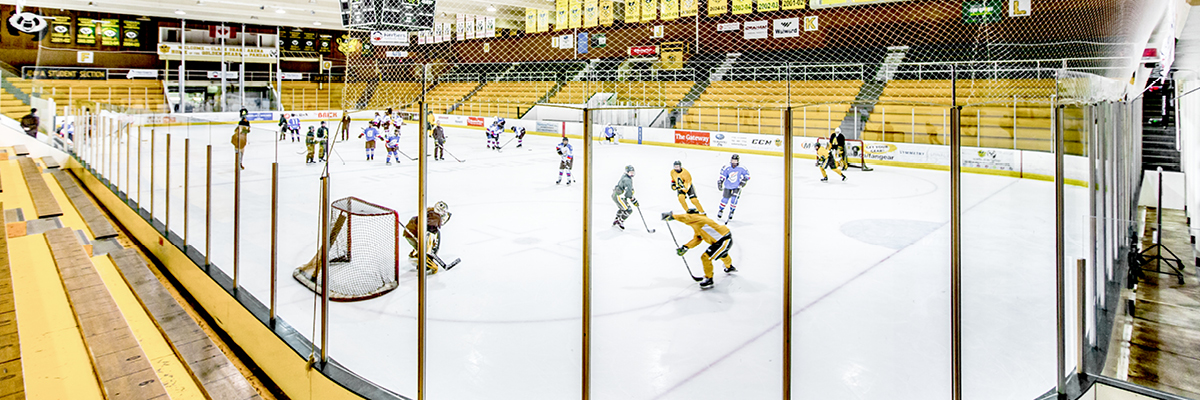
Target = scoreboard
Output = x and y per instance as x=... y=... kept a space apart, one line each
x=388 y=15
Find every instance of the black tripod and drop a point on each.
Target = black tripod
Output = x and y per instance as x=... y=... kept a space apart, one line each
x=1174 y=264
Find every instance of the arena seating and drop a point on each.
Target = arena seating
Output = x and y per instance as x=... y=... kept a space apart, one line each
x=133 y=93
x=507 y=99
x=311 y=96
x=755 y=106
x=1001 y=113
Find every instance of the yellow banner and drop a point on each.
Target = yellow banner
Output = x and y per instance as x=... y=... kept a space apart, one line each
x=531 y=20
x=717 y=7
x=632 y=13
x=768 y=5
x=649 y=10
x=560 y=14
x=670 y=10
x=687 y=8
x=590 y=13
x=742 y=6
x=543 y=20
x=793 y=4
x=576 y=14
x=606 y=12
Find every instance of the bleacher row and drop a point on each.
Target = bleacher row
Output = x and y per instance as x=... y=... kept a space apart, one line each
x=101 y=325
x=133 y=93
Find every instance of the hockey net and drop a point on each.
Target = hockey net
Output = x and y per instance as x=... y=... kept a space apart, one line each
x=856 y=153
x=364 y=258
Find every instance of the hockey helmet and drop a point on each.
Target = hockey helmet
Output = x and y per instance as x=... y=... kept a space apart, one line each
x=837 y=130
x=628 y=168
x=678 y=165
x=440 y=207
x=734 y=160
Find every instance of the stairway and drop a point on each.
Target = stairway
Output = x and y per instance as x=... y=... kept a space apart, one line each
x=854 y=122
x=1158 y=129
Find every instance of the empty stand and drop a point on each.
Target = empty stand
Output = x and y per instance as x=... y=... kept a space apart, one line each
x=756 y=106
x=133 y=93
x=506 y=99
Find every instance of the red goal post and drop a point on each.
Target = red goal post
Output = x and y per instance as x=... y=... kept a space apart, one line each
x=856 y=153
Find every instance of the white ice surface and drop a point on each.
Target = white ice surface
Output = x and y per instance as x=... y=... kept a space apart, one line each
x=870 y=277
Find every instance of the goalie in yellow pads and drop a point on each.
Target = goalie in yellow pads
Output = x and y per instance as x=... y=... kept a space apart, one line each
x=435 y=218
x=681 y=183
x=705 y=230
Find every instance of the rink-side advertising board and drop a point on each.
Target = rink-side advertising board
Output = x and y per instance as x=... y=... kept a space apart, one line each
x=695 y=138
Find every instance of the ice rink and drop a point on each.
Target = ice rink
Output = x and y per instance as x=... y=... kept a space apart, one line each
x=870 y=278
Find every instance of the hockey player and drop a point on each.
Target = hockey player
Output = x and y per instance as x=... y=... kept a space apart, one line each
x=294 y=127
x=610 y=134
x=322 y=141
x=681 y=183
x=392 y=142
x=379 y=121
x=705 y=230
x=397 y=122
x=439 y=141
x=371 y=134
x=520 y=132
x=824 y=160
x=493 y=134
x=733 y=178
x=310 y=141
x=623 y=196
x=567 y=158
x=283 y=126
x=435 y=218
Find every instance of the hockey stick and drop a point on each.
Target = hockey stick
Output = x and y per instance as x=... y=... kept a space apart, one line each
x=506 y=143
x=452 y=154
x=685 y=263
x=639 y=208
x=406 y=155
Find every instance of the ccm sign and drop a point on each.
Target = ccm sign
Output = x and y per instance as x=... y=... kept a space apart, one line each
x=643 y=50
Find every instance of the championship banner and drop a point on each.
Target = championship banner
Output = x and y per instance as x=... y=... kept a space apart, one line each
x=460 y=27
x=560 y=14
x=649 y=10
x=632 y=11
x=768 y=5
x=133 y=34
x=687 y=8
x=60 y=30
x=670 y=10
x=489 y=27
x=85 y=31
x=469 y=27
x=480 y=27
x=543 y=21
x=717 y=7
x=310 y=42
x=575 y=14
x=326 y=45
x=110 y=32
x=606 y=12
x=590 y=13
x=531 y=20
x=793 y=4
x=742 y=6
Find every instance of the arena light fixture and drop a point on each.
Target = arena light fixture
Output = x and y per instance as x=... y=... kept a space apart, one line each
x=491 y=8
x=317 y=23
x=280 y=11
x=179 y=12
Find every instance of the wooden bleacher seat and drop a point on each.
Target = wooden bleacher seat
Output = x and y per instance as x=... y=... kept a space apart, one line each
x=43 y=200
x=12 y=379
x=92 y=216
x=50 y=163
x=754 y=106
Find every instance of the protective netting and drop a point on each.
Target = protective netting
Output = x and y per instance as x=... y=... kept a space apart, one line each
x=363 y=255
x=879 y=70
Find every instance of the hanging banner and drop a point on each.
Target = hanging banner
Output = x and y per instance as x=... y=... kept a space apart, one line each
x=670 y=10
x=633 y=11
x=326 y=45
x=561 y=11
x=60 y=30
x=85 y=31
x=531 y=20
x=132 y=34
x=575 y=14
x=489 y=27
x=649 y=10
x=793 y=4
x=310 y=41
x=469 y=21
x=687 y=8
x=768 y=5
x=174 y=51
x=460 y=27
x=110 y=32
x=742 y=7
x=606 y=12
x=591 y=16
x=717 y=7
x=480 y=27
x=543 y=21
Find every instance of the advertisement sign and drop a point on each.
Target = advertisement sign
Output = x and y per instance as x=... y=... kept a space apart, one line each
x=475 y=121
x=581 y=44
x=64 y=73
x=981 y=11
x=142 y=73
x=217 y=74
x=110 y=32
x=745 y=141
x=599 y=40
x=396 y=54
x=292 y=76
x=729 y=27
x=259 y=116
x=548 y=127
x=389 y=38
x=60 y=30
x=755 y=30
x=133 y=34
x=643 y=50
x=786 y=27
x=691 y=137
x=995 y=159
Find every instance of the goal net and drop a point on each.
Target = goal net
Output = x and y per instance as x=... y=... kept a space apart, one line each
x=364 y=258
x=856 y=153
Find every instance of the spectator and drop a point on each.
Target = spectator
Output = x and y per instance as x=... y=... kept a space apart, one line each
x=30 y=123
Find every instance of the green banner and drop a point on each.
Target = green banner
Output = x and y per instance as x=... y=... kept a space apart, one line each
x=85 y=31
x=982 y=11
x=133 y=34
x=60 y=30
x=110 y=32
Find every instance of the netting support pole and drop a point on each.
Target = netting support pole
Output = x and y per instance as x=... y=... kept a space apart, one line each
x=207 y=209
x=237 y=216
x=187 y=179
x=422 y=249
x=167 y=206
x=153 y=143
x=788 y=139
x=956 y=376
x=1060 y=253
x=139 y=165
x=324 y=270
x=274 y=238
x=585 y=379
x=128 y=162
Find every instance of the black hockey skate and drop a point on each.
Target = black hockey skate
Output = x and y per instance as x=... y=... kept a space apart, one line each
x=707 y=283
x=617 y=223
x=719 y=212
x=843 y=178
x=730 y=269
x=825 y=179
x=559 y=181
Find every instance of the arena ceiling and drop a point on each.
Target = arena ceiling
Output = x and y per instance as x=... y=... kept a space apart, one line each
x=299 y=13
